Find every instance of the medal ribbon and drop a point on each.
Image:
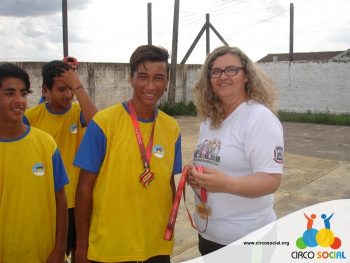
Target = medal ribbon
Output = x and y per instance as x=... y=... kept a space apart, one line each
x=175 y=208
x=147 y=176
x=203 y=190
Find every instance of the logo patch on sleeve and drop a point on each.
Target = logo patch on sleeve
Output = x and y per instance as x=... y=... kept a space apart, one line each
x=278 y=154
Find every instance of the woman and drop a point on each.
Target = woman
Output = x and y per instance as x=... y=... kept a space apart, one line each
x=240 y=147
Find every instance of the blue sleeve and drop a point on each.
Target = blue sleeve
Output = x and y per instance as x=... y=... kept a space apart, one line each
x=82 y=120
x=59 y=172
x=25 y=120
x=92 y=149
x=178 y=157
x=41 y=100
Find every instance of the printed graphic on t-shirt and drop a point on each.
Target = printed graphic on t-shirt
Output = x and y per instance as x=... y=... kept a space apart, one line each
x=38 y=169
x=73 y=128
x=208 y=151
x=158 y=151
x=278 y=154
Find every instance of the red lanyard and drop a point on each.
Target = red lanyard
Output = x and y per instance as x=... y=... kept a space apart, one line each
x=175 y=207
x=203 y=190
x=145 y=153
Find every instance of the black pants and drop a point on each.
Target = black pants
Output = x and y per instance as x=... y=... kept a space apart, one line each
x=205 y=246
x=71 y=237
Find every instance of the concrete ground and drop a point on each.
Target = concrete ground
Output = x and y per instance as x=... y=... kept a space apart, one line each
x=317 y=168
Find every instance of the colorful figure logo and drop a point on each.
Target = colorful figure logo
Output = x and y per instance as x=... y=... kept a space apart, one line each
x=323 y=237
x=208 y=151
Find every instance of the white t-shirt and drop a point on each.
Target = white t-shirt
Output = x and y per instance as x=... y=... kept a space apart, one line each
x=249 y=140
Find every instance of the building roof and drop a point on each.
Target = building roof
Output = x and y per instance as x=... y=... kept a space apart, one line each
x=305 y=56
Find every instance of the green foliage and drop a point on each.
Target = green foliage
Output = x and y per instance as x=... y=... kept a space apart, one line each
x=310 y=117
x=182 y=109
x=179 y=109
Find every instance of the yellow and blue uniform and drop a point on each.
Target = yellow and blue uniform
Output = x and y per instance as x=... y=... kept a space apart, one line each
x=31 y=170
x=128 y=220
x=67 y=129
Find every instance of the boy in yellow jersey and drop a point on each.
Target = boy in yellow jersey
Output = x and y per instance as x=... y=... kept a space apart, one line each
x=128 y=158
x=64 y=120
x=33 y=205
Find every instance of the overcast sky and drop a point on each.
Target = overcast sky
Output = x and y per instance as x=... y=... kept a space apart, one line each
x=110 y=30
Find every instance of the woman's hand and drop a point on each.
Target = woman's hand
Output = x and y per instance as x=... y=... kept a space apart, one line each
x=254 y=185
x=210 y=179
x=190 y=178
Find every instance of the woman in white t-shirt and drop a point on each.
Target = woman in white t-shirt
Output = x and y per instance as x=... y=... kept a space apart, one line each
x=240 y=148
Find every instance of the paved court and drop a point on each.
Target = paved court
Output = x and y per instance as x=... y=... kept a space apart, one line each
x=317 y=169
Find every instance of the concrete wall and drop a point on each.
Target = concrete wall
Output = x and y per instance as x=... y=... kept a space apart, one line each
x=108 y=83
x=318 y=87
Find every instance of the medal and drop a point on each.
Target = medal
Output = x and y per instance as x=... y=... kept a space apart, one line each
x=203 y=211
x=146 y=177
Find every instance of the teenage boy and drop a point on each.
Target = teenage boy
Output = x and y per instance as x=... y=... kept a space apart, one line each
x=128 y=158
x=65 y=121
x=33 y=205
x=73 y=63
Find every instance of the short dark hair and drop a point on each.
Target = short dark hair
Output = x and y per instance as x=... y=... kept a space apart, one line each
x=51 y=70
x=9 y=70
x=145 y=53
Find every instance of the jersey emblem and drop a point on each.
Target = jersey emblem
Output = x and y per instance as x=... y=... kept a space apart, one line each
x=278 y=154
x=38 y=169
x=158 y=151
x=73 y=128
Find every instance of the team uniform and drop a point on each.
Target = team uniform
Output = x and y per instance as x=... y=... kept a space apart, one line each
x=128 y=220
x=250 y=140
x=31 y=171
x=67 y=129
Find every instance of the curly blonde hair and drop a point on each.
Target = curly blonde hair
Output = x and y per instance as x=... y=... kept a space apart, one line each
x=259 y=86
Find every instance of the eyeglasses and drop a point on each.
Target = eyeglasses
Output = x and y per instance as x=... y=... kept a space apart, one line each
x=229 y=71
